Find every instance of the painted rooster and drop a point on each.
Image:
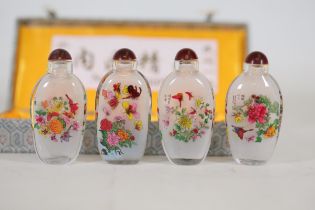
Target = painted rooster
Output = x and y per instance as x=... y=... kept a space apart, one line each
x=240 y=131
x=179 y=97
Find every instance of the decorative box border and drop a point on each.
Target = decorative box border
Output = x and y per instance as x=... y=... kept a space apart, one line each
x=16 y=137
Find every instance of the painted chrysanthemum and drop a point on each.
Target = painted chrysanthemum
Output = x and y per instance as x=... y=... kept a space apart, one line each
x=190 y=122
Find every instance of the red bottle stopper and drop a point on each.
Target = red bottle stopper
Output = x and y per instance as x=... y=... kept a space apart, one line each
x=186 y=54
x=256 y=57
x=59 y=55
x=124 y=54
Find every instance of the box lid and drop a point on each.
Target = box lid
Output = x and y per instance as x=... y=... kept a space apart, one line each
x=37 y=37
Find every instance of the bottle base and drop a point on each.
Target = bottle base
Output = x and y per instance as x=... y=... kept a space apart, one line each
x=183 y=161
x=123 y=162
x=61 y=160
x=250 y=162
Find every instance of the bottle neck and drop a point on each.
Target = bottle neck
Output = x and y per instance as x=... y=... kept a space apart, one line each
x=255 y=70
x=60 y=68
x=186 y=66
x=124 y=66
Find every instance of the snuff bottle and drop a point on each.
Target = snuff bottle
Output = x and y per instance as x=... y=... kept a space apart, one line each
x=186 y=111
x=253 y=112
x=123 y=107
x=58 y=106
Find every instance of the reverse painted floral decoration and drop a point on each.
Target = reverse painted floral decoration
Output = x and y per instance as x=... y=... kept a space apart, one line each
x=190 y=122
x=115 y=135
x=260 y=112
x=123 y=105
x=186 y=111
x=56 y=118
x=254 y=106
x=58 y=108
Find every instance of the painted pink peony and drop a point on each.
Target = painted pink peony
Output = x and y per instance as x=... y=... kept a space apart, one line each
x=113 y=139
x=257 y=113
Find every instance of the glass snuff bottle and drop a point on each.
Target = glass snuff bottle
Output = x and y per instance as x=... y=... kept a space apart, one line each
x=123 y=107
x=58 y=108
x=253 y=112
x=186 y=111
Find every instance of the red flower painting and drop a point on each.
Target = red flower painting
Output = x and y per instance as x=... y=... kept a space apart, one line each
x=179 y=97
x=257 y=113
x=73 y=106
x=106 y=125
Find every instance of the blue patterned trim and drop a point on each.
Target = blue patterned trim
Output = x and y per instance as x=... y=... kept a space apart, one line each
x=16 y=137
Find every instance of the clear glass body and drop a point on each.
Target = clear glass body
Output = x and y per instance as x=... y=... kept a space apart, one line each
x=123 y=107
x=253 y=115
x=58 y=107
x=186 y=112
